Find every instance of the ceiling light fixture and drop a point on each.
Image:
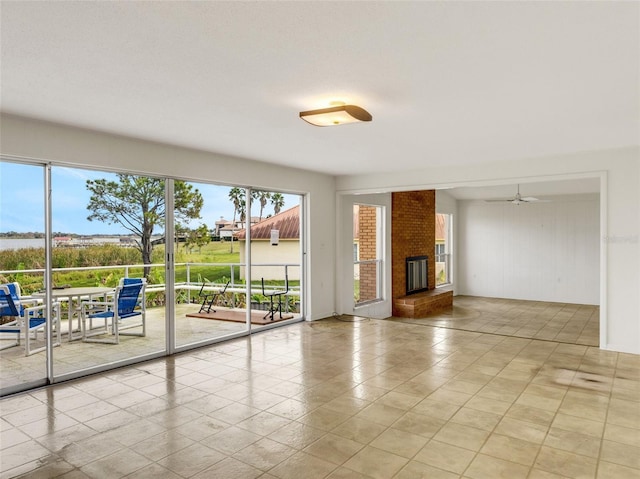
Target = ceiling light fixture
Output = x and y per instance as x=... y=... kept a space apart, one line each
x=336 y=115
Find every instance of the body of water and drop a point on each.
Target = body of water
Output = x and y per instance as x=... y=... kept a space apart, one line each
x=20 y=243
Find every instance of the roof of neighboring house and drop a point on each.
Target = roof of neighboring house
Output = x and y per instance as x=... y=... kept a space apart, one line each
x=440 y=227
x=286 y=222
x=356 y=224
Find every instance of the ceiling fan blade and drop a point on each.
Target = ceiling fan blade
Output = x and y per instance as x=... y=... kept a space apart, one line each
x=517 y=199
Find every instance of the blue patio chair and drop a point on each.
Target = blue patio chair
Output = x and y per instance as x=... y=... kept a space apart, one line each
x=124 y=311
x=16 y=292
x=27 y=321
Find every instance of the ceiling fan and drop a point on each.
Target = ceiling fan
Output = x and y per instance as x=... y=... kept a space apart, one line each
x=518 y=199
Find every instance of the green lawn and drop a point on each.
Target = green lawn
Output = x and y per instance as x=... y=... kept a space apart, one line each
x=214 y=252
x=32 y=258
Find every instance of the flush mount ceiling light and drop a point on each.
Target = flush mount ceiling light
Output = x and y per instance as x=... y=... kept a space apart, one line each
x=336 y=115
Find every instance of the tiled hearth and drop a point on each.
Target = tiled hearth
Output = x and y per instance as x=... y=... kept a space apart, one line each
x=422 y=304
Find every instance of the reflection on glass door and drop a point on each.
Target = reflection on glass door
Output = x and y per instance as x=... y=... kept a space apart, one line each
x=276 y=252
x=210 y=294
x=108 y=244
x=22 y=263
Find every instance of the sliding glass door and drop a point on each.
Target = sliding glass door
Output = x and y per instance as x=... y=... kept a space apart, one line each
x=210 y=290
x=276 y=258
x=22 y=260
x=109 y=229
x=229 y=254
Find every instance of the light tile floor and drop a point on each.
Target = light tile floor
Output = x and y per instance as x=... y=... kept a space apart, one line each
x=569 y=323
x=562 y=322
x=340 y=399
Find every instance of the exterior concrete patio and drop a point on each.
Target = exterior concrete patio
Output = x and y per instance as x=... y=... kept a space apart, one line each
x=16 y=368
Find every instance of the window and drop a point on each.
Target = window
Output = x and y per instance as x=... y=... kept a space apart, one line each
x=367 y=227
x=443 y=248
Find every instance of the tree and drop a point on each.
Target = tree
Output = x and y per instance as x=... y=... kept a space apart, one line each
x=137 y=204
x=236 y=195
x=277 y=200
x=263 y=197
x=199 y=237
x=243 y=210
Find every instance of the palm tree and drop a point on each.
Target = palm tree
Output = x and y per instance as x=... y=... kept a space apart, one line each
x=242 y=209
x=264 y=197
x=236 y=195
x=277 y=200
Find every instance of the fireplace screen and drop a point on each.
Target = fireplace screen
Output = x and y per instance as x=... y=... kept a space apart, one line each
x=417 y=274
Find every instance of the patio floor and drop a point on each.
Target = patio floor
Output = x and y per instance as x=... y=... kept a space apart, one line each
x=76 y=355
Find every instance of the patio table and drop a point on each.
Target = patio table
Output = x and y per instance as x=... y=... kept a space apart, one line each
x=69 y=294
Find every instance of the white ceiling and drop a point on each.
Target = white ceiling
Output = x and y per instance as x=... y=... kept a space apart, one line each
x=446 y=82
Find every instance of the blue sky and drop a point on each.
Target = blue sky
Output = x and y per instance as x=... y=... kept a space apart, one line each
x=22 y=203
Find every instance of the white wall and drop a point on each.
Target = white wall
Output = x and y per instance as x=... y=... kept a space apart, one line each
x=63 y=145
x=620 y=219
x=544 y=251
x=445 y=203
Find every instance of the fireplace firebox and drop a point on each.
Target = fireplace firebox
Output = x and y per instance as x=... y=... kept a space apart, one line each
x=417 y=277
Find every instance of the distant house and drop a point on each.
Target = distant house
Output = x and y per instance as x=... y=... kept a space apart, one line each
x=69 y=241
x=263 y=252
x=61 y=241
x=224 y=229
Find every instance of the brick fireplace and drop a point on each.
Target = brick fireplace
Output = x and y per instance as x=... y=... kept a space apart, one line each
x=413 y=234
